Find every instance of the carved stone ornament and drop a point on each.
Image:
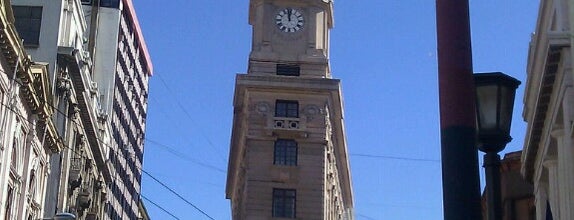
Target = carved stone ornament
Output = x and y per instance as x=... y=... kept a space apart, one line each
x=76 y=113
x=311 y=111
x=262 y=107
x=63 y=82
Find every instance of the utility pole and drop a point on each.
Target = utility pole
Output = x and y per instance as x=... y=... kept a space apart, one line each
x=460 y=175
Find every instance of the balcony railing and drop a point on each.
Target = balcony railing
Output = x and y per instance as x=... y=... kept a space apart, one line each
x=286 y=123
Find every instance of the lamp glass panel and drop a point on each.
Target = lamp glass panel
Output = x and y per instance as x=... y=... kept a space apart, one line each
x=487 y=107
x=506 y=102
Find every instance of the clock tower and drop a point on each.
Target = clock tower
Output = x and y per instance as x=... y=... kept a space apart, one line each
x=288 y=156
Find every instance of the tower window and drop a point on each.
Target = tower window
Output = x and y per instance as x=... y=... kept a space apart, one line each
x=287 y=109
x=284 y=203
x=28 y=21
x=288 y=69
x=285 y=152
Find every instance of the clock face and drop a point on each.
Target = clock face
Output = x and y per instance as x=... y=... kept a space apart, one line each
x=289 y=20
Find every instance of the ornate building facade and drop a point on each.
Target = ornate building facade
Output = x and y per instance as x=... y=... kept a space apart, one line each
x=288 y=156
x=95 y=56
x=55 y=32
x=27 y=134
x=548 y=154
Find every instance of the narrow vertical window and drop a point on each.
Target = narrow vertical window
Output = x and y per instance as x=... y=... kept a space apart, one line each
x=32 y=184
x=285 y=152
x=287 y=109
x=284 y=203
x=28 y=21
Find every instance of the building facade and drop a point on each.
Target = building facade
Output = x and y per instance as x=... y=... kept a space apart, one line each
x=548 y=153
x=55 y=32
x=27 y=134
x=122 y=67
x=99 y=65
x=288 y=156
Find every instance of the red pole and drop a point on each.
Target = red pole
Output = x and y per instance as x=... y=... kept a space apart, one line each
x=459 y=155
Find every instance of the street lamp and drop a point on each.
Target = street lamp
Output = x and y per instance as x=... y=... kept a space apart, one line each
x=494 y=104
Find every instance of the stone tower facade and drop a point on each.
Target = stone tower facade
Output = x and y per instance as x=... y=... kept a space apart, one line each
x=288 y=156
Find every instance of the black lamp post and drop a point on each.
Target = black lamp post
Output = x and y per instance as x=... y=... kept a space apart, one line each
x=494 y=104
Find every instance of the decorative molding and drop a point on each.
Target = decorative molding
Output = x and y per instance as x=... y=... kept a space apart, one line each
x=263 y=108
x=63 y=82
x=311 y=111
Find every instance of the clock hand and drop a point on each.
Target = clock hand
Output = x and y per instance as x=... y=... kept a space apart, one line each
x=289 y=15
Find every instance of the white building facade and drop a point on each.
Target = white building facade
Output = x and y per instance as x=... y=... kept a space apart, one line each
x=548 y=154
x=27 y=134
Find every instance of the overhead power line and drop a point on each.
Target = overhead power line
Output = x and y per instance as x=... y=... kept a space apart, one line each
x=365 y=217
x=176 y=100
x=185 y=157
x=156 y=205
x=396 y=158
x=178 y=195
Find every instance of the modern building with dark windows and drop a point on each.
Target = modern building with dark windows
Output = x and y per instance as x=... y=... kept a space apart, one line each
x=288 y=156
x=122 y=67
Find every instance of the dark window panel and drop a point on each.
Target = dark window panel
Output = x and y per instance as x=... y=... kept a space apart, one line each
x=110 y=3
x=287 y=108
x=28 y=23
x=288 y=70
x=284 y=203
x=285 y=152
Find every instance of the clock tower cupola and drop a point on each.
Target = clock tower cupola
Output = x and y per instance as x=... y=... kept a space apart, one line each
x=290 y=37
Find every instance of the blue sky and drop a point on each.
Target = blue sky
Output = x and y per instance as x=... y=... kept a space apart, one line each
x=385 y=54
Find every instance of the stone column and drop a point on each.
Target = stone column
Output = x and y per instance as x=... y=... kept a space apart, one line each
x=571 y=23
x=566 y=155
x=553 y=188
x=540 y=198
x=564 y=174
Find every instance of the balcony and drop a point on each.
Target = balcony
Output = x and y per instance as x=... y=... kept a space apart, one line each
x=286 y=123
